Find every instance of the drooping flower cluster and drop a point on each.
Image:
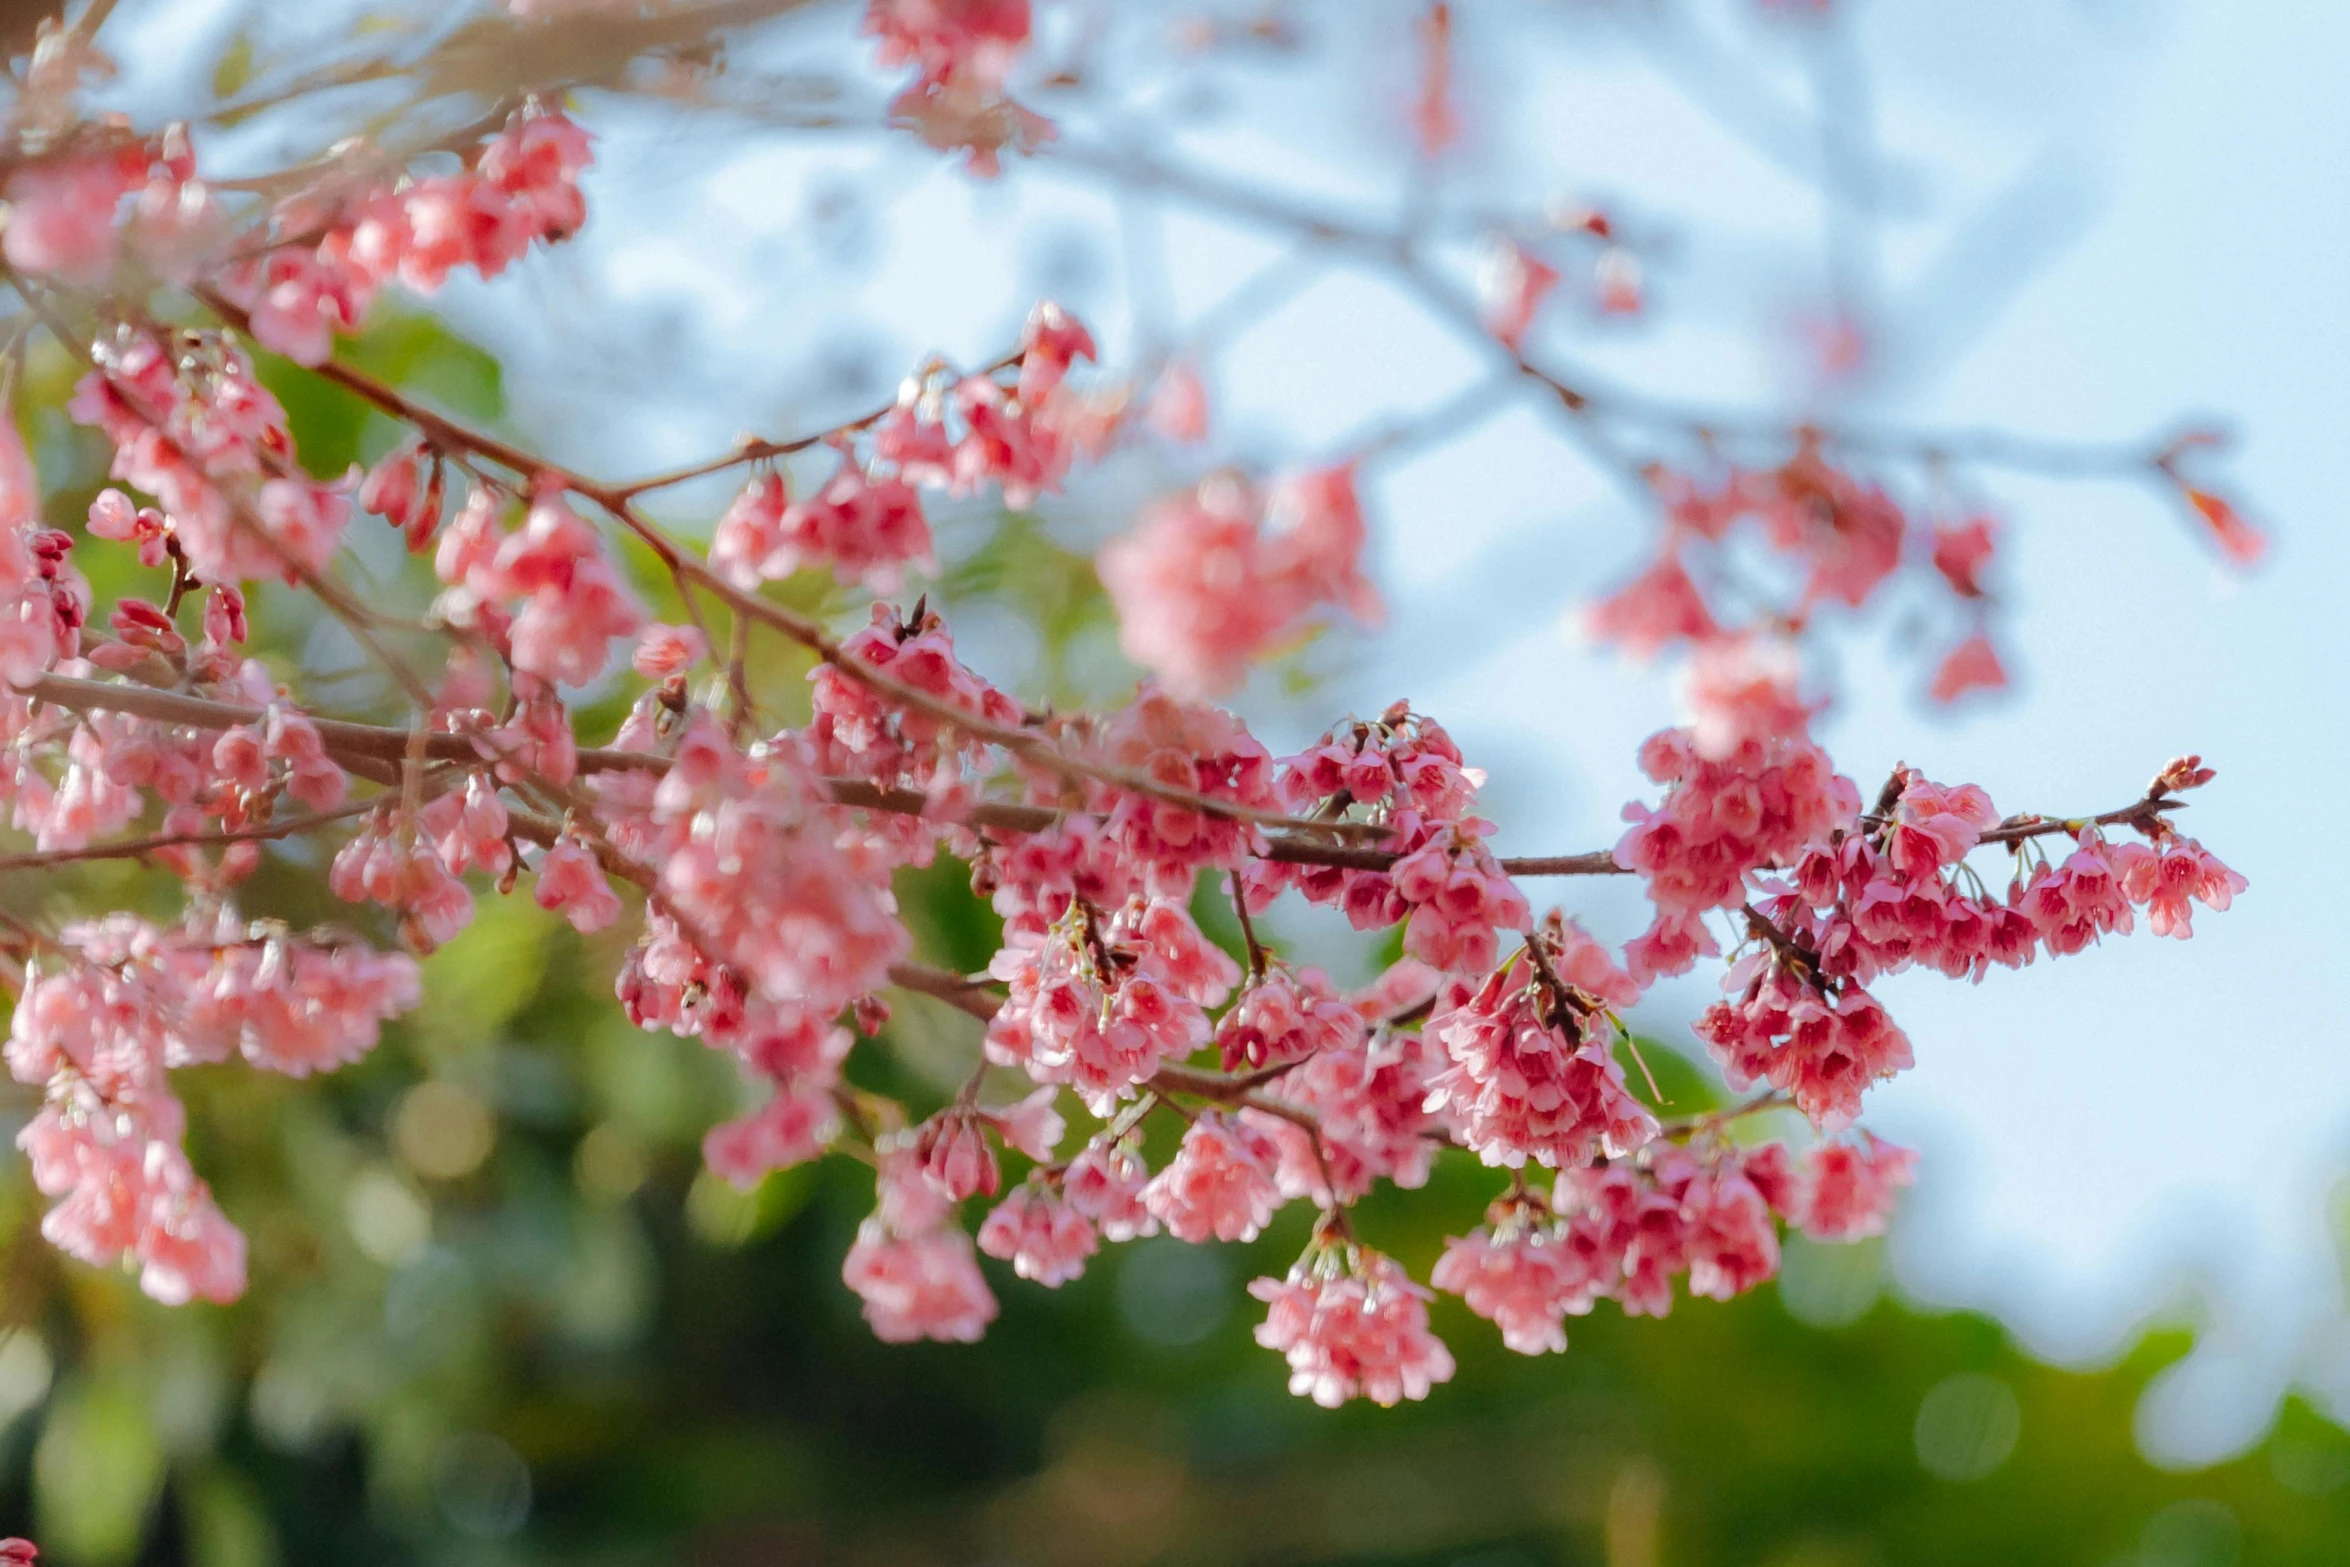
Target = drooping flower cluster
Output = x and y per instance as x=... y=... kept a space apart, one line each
x=547 y=593
x=100 y=1024
x=191 y=426
x=1760 y=805
x=1403 y=773
x=521 y=188
x=1533 y=1075
x=1098 y=1001
x=1212 y=580
x=1352 y=1324
x=950 y=432
x=962 y=51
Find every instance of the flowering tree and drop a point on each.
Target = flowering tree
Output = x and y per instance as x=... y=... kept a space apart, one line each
x=756 y=865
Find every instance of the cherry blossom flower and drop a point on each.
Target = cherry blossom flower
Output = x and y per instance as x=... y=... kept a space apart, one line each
x=1520 y=1273
x=1533 y=1076
x=1220 y=1185
x=1215 y=579
x=1104 y=1184
x=1352 y=1326
x=1040 y=1233
x=921 y=1286
x=1847 y=1189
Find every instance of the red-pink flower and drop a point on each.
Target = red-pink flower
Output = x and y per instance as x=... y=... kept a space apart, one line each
x=1971 y=666
x=1521 y=1274
x=1105 y=1183
x=921 y=1286
x=1533 y=1078
x=1847 y=1189
x=1352 y=1326
x=571 y=880
x=1040 y=1233
x=1220 y=1184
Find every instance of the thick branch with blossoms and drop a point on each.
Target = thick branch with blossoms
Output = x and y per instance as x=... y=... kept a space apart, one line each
x=756 y=865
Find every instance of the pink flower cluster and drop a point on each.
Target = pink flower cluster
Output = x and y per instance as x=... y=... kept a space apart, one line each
x=1284 y=1017
x=1099 y=1002
x=1199 y=750
x=522 y=188
x=962 y=51
x=44 y=602
x=1720 y=820
x=752 y=856
x=913 y=1267
x=1213 y=580
x=1402 y=772
x=1533 y=1074
x=193 y=428
x=866 y=522
x=100 y=1033
x=1352 y=1324
x=858 y=732
x=1219 y=1185
x=1369 y=1104
x=548 y=593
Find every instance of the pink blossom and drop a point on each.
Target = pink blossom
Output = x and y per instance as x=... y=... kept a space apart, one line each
x=1531 y=1078
x=1100 y=1027
x=664 y=652
x=1220 y=1184
x=1659 y=607
x=1971 y=666
x=1848 y=1188
x=792 y=1127
x=921 y=1286
x=61 y=213
x=571 y=880
x=1521 y=1275
x=2168 y=878
x=1040 y=1233
x=954 y=1155
x=1352 y=1329
x=1105 y=1184
x=1822 y=1050
x=1213 y=580
x=1032 y=1125
x=1286 y=1016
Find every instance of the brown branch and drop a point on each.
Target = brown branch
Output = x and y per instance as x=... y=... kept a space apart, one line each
x=134 y=848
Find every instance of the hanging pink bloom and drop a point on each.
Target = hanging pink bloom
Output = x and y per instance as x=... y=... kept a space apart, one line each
x=794 y=1126
x=1971 y=666
x=922 y=1286
x=1522 y=1087
x=1220 y=1185
x=572 y=880
x=1848 y=1189
x=664 y=652
x=1040 y=1233
x=1356 y=1328
x=1105 y=1184
x=2167 y=879
x=1286 y=1016
x=1521 y=1274
x=1654 y=610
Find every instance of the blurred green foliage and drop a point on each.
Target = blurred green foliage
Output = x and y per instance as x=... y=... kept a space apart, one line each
x=500 y=1314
